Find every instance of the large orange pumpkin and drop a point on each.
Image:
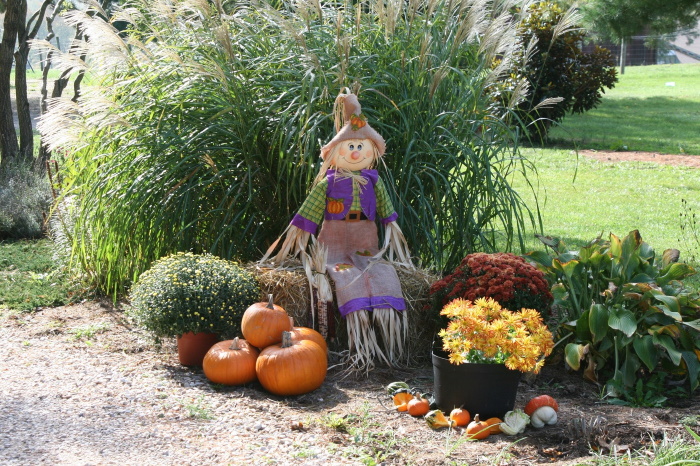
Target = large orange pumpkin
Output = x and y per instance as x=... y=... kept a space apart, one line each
x=306 y=333
x=231 y=362
x=292 y=367
x=263 y=323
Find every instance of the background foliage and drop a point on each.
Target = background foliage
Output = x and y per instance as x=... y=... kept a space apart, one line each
x=205 y=136
x=557 y=67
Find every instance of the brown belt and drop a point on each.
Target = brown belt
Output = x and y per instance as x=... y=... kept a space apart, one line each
x=355 y=216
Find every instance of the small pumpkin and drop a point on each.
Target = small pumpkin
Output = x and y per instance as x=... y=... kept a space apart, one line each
x=306 y=333
x=401 y=399
x=334 y=206
x=477 y=429
x=292 y=367
x=460 y=416
x=231 y=362
x=263 y=323
x=418 y=406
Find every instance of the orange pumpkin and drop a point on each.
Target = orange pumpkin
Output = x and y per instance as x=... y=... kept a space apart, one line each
x=263 y=323
x=418 y=406
x=306 y=333
x=477 y=429
x=292 y=367
x=334 y=206
x=231 y=362
x=460 y=416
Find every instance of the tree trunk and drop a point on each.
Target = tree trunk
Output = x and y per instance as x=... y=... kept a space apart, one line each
x=623 y=55
x=8 y=136
x=26 y=135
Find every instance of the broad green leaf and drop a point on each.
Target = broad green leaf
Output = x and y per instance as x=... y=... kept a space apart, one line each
x=623 y=320
x=583 y=331
x=599 y=260
x=615 y=246
x=559 y=292
x=540 y=257
x=693 y=324
x=574 y=354
x=670 y=346
x=641 y=278
x=675 y=271
x=645 y=349
x=672 y=307
x=598 y=321
x=567 y=268
x=693 y=367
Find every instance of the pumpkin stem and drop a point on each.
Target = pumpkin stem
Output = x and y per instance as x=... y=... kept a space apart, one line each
x=286 y=339
x=234 y=344
x=270 y=302
x=291 y=322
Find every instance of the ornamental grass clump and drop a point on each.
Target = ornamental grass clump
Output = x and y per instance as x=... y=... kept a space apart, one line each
x=185 y=292
x=484 y=332
x=505 y=277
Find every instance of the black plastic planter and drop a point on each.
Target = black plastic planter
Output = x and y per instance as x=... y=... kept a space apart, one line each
x=488 y=390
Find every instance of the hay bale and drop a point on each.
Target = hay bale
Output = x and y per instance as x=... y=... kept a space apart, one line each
x=290 y=288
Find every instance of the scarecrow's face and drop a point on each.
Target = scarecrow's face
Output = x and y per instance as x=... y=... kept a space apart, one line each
x=354 y=154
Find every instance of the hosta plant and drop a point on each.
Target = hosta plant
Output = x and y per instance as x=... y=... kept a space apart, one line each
x=628 y=311
x=187 y=292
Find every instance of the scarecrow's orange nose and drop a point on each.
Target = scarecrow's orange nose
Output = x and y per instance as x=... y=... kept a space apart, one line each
x=355 y=155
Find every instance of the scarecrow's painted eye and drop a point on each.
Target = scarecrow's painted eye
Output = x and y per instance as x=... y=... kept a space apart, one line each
x=359 y=147
x=351 y=147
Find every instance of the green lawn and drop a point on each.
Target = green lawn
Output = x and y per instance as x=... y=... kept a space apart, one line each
x=643 y=112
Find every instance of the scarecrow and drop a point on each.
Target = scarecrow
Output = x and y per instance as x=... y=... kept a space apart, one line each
x=346 y=200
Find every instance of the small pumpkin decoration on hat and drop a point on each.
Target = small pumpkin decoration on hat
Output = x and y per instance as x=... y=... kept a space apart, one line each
x=346 y=200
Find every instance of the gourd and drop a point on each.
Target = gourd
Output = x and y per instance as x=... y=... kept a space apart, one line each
x=514 y=422
x=542 y=411
x=394 y=387
x=292 y=367
x=477 y=429
x=263 y=323
x=418 y=406
x=436 y=419
x=494 y=424
x=306 y=333
x=231 y=362
x=401 y=399
x=460 y=416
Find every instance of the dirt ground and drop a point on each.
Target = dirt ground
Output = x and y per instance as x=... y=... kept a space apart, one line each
x=79 y=383
x=665 y=159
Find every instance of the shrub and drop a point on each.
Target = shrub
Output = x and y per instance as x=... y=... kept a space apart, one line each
x=25 y=197
x=185 y=292
x=558 y=68
x=629 y=313
x=504 y=277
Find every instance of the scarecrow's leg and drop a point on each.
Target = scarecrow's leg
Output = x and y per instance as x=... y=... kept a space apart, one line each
x=393 y=328
x=362 y=341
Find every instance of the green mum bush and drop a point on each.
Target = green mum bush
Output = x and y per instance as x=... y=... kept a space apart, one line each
x=186 y=292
